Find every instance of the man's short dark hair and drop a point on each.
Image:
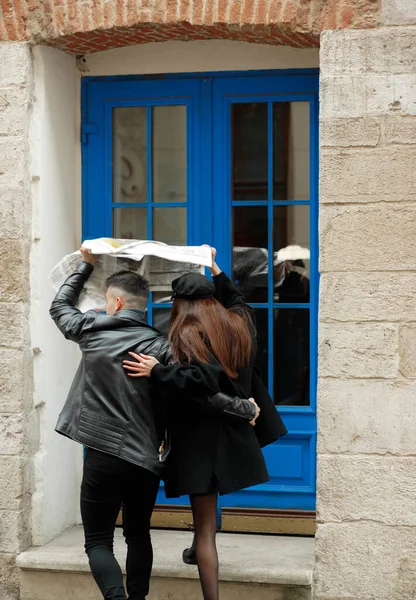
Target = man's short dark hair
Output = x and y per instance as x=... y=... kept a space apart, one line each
x=134 y=285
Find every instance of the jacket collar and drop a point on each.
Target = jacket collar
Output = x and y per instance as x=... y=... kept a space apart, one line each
x=133 y=314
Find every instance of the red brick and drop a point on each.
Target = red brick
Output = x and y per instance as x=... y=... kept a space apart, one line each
x=247 y=11
x=171 y=11
x=74 y=16
x=208 y=13
x=289 y=11
x=118 y=9
x=346 y=17
x=10 y=23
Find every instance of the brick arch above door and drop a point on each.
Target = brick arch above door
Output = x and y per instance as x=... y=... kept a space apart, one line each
x=97 y=25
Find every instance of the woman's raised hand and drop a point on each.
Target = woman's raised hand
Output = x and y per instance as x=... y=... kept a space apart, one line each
x=143 y=367
x=215 y=270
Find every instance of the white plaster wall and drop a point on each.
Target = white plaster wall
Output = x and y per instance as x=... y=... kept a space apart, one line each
x=55 y=174
x=210 y=55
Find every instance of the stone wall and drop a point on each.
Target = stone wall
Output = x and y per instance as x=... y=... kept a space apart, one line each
x=366 y=535
x=18 y=427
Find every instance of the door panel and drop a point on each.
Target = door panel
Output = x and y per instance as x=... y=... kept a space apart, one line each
x=231 y=160
x=265 y=195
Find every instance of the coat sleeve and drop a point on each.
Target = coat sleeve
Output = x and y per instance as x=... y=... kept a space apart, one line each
x=227 y=293
x=202 y=389
x=69 y=320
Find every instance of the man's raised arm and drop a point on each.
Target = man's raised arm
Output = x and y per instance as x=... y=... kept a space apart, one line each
x=71 y=321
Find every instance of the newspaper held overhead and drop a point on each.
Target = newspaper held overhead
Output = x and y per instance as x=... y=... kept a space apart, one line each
x=158 y=262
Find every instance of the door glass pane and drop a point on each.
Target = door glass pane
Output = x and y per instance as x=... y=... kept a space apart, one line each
x=291 y=254
x=130 y=223
x=250 y=251
x=129 y=154
x=262 y=359
x=249 y=151
x=161 y=318
x=169 y=225
x=169 y=153
x=291 y=151
x=291 y=356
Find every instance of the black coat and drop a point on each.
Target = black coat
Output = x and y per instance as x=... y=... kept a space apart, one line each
x=204 y=446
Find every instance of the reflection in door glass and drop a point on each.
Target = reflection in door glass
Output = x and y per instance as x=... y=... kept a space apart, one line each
x=291 y=151
x=291 y=356
x=130 y=223
x=169 y=153
x=250 y=251
x=249 y=151
x=129 y=154
x=291 y=254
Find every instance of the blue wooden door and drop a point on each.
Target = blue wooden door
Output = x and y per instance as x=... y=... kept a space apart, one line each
x=231 y=160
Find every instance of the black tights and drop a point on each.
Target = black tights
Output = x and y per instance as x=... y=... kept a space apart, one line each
x=204 y=511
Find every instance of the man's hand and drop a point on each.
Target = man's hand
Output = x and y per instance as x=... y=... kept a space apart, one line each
x=253 y=422
x=143 y=367
x=87 y=257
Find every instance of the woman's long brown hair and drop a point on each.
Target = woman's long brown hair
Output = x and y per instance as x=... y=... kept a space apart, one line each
x=200 y=329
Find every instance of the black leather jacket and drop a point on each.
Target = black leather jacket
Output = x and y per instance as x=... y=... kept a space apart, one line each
x=106 y=409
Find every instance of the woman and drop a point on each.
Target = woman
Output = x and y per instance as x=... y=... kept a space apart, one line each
x=213 y=347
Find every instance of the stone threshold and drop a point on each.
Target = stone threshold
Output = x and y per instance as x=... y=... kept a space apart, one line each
x=264 y=559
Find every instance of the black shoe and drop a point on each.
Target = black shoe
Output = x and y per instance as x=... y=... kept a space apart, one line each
x=189 y=555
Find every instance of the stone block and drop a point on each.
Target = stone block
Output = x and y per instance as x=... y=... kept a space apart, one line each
x=15 y=379
x=368 y=297
x=390 y=94
x=14 y=270
x=366 y=416
x=407 y=341
x=9 y=580
x=343 y=97
x=13 y=482
x=367 y=238
x=348 y=485
x=400 y=130
x=345 y=133
x=14 y=534
x=399 y=12
x=14 y=113
x=354 y=51
x=15 y=63
x=14 y=158
x=14 y=325
x=359 y=561
x=11 y=434
x=360 y=176
x=14 y=213
x=358 y=350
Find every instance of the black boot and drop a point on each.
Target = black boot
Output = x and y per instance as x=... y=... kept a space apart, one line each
x=189 y=555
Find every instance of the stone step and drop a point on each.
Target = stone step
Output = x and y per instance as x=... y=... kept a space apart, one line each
x=252 y=567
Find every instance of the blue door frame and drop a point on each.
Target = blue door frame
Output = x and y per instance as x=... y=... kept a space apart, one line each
x=208 y=98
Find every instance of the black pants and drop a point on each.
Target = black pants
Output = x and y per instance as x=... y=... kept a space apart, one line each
x=109 y=482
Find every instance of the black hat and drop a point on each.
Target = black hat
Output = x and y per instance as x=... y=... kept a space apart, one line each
x=193 y=286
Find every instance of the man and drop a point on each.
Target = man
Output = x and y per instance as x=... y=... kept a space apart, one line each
x=115 y=417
